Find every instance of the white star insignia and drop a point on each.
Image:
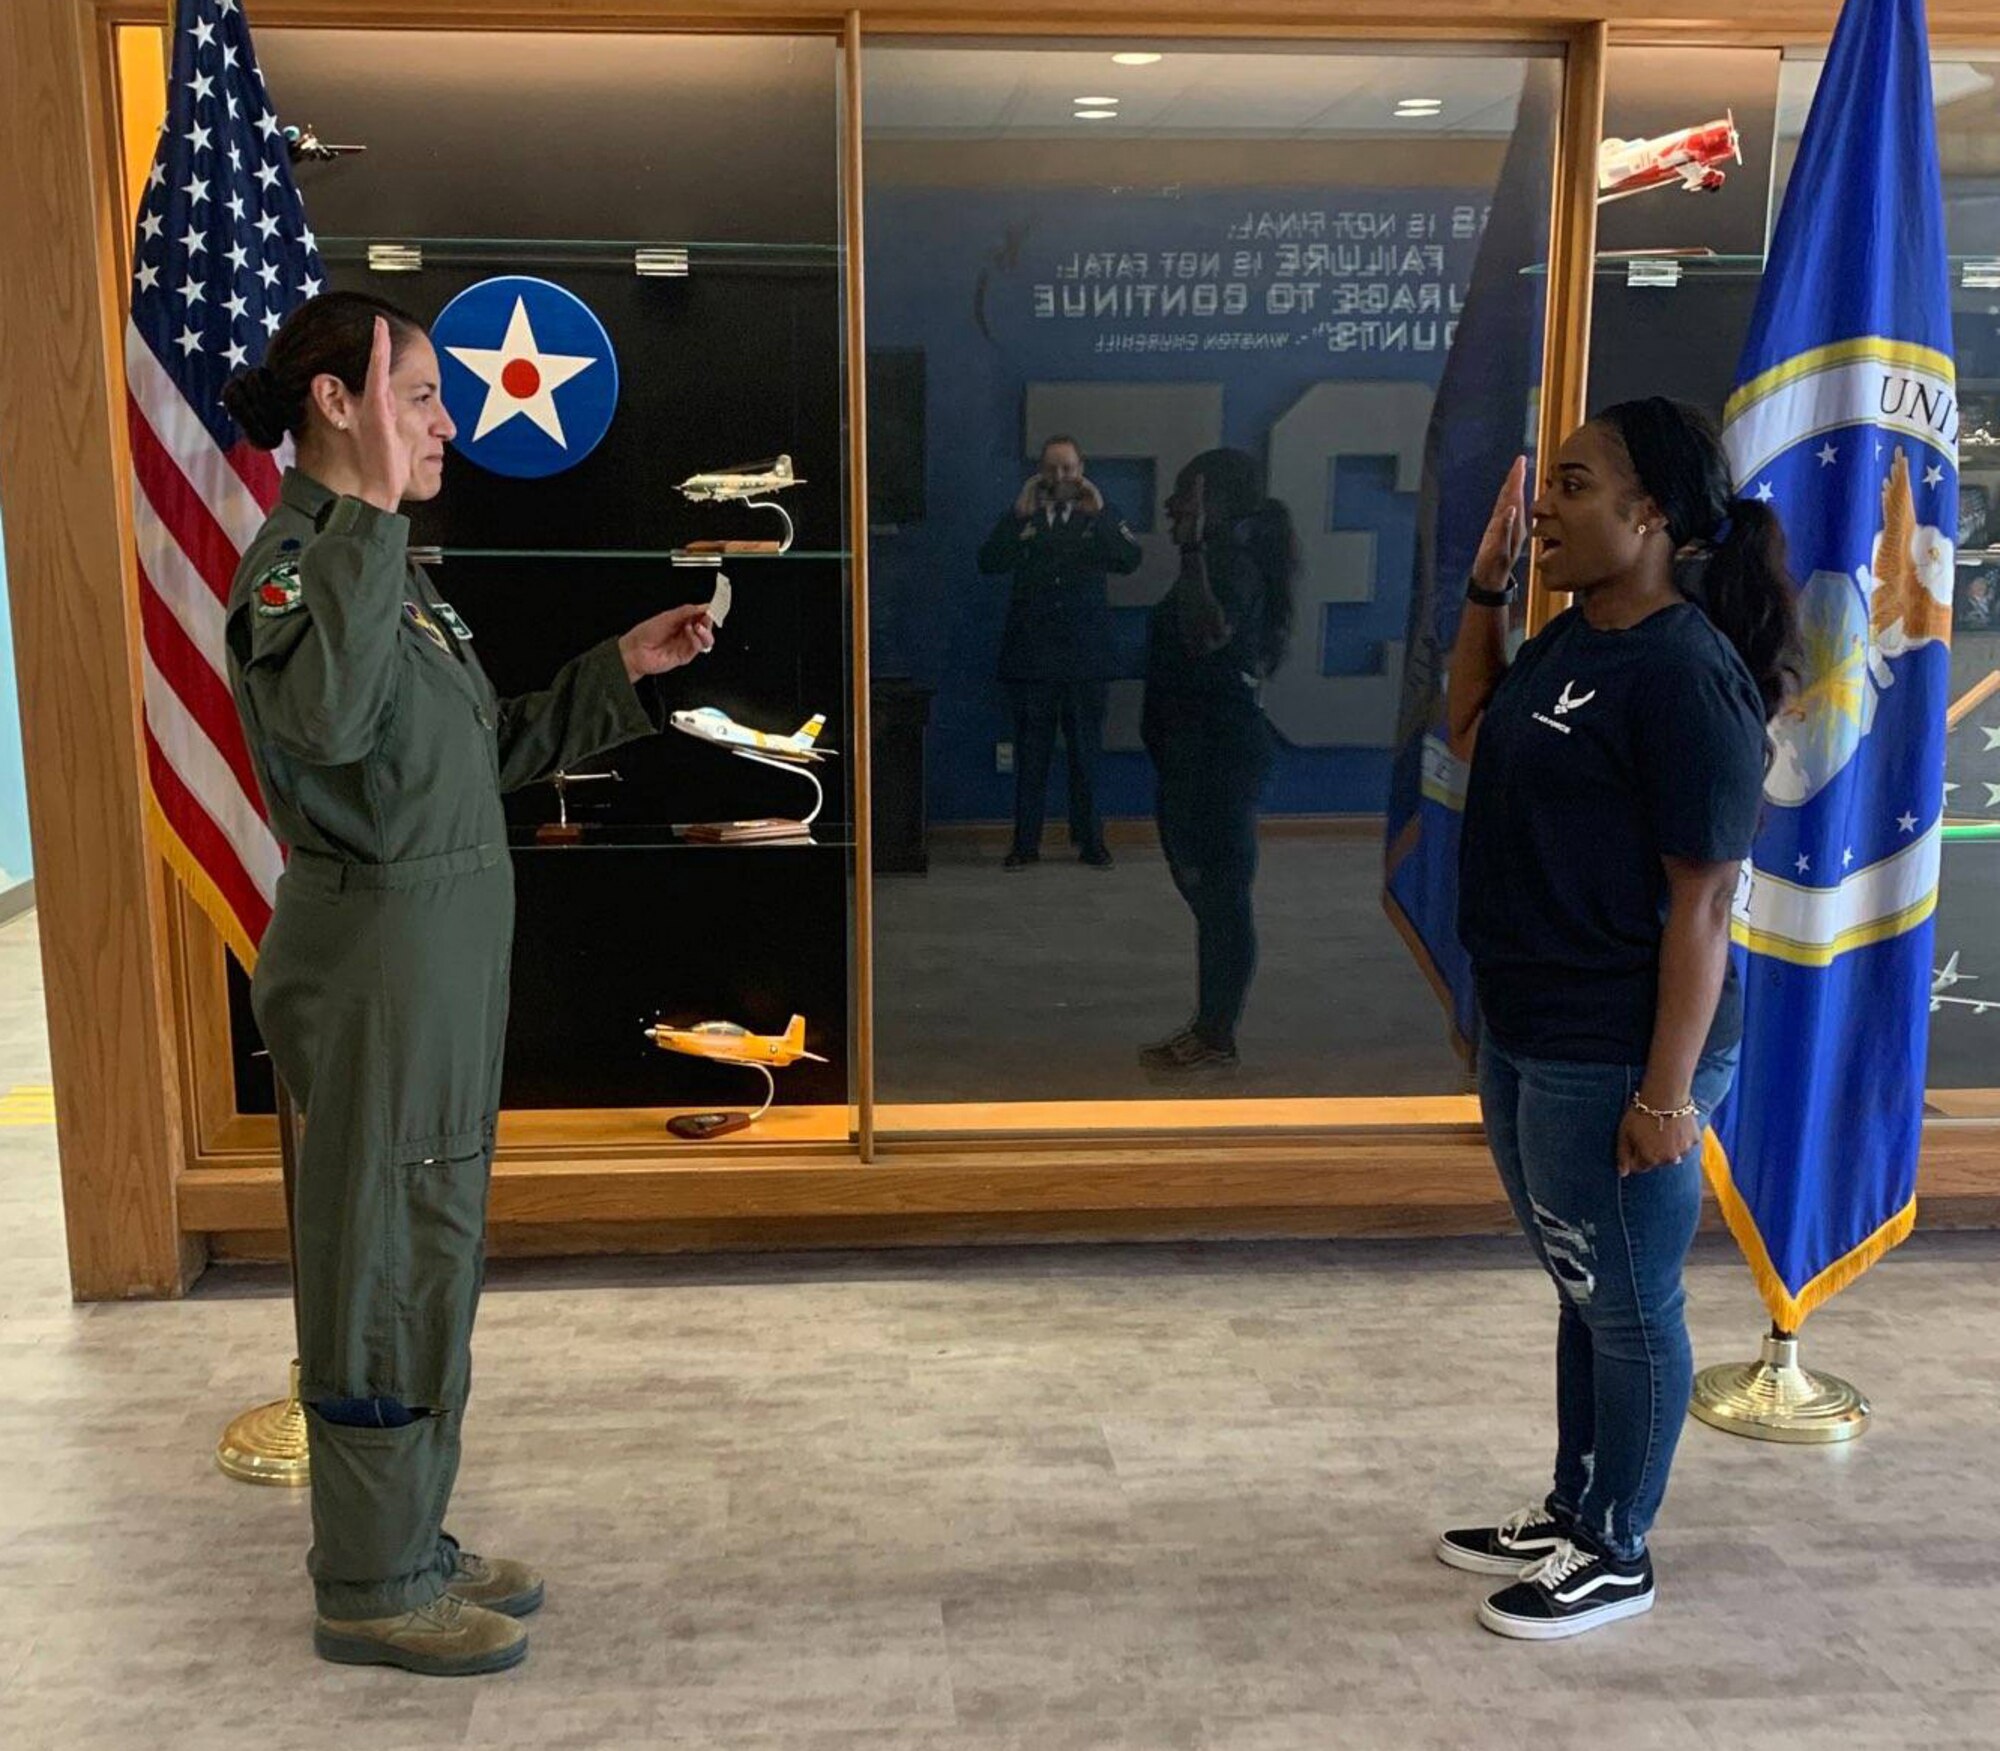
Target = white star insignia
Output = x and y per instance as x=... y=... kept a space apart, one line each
x=1907 y=822
x=267 y=174
x=1846 y=857
x=268 y=273
x=267 y=125
x=1933 y=475
x=190 y=341
x=309 y=287
x=203 y=86
x=267 y=224
x=229 y=55
x=198 y=137
x=239 y=257
x=271 y=321
x=520 y=378
x=307 y=240
x=237 y=357
x=1948 y=789
x=228 y=6
x=236 y=207
x=1993 y=796
x=159 y=175
x=193 y=290
x=194 y=241
x=1764 y=493
x=1992 y=738
x=149 y=224
x=149 y=277
x=238 y=309
x=196 y=191
x=203 y=33
x=229 y=105
x=236 y=162
x=1828 y=455
x=1804 y=863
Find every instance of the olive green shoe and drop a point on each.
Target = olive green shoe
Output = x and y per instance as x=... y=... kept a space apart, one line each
x=495 y=1584
x=445 y=1639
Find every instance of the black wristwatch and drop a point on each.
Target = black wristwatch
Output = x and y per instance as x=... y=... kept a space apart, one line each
x=1491 y=598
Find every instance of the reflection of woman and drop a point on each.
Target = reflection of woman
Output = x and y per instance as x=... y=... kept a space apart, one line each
x=1614 y=791
x=1218 y=633
x=381 y=750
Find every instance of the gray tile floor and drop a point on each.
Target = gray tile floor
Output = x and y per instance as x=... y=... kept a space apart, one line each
x=1156 y=1498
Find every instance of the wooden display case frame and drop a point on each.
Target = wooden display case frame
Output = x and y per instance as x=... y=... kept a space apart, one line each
x=161 y=1173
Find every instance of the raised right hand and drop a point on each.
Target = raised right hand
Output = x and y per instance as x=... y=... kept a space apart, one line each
x=387 y=452
x=1029 y=498
x=1506 y=531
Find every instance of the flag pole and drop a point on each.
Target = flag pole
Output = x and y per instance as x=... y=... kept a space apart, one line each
x=268 y=1445
x=1774 y=1399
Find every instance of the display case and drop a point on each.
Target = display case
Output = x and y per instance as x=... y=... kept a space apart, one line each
x=1369 y=253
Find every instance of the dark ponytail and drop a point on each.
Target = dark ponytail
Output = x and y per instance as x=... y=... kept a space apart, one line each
x=1741 y=579
x=328 y=335
x=1240 y=517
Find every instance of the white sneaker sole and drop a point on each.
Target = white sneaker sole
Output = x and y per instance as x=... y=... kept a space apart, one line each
x=1478 y=1563
x=1546 y=1629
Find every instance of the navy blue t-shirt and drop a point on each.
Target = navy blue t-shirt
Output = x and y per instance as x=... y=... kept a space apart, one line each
x=1601 y=753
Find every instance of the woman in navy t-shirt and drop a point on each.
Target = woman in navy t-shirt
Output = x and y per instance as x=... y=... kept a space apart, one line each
x=1617 y=774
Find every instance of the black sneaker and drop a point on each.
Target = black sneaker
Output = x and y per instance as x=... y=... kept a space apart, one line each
x=1575 y=1590
x=1020 y=859
x=1095 y=858
x=1516 y=1544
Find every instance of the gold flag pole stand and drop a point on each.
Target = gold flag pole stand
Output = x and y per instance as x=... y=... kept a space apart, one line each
x=1774 y=1399
x=268 y=1445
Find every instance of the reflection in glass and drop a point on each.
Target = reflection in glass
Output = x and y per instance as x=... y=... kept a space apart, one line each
x=1256 y=257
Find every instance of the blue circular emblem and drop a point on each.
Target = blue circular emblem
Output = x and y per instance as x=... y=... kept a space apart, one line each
x=530 y=379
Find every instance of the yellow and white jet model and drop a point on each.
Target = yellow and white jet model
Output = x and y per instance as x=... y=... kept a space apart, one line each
x=748 y=480
x=707 y=724
x=731 y=1044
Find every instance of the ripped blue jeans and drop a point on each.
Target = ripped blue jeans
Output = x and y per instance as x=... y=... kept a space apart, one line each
x=1615 y=1247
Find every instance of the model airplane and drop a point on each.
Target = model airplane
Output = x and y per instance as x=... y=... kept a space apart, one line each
x=748 y=480
x=1949 y=975
x=301 y=143
x=1693 y=157
x=707 y=724
x=731 y=1044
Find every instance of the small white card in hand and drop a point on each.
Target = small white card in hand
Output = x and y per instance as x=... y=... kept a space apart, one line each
x=718 y=604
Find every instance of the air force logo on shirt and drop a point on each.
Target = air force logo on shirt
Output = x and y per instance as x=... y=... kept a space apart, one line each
x=1569 y=702
x=529 y=376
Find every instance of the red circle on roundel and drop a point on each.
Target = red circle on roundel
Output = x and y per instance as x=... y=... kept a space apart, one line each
x=520 y=378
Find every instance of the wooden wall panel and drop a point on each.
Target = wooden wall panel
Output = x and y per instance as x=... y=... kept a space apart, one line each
x=61 y=464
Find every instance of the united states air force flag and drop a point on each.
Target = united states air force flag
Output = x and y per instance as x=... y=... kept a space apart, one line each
x=1846 y=421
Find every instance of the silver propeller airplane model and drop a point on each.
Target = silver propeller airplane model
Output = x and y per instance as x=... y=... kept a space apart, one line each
x=1949 y=975
x=746 y=481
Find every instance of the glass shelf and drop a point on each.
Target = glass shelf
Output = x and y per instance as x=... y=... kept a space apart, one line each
x=657 y=555
x=1666 y=269
x=647 y=257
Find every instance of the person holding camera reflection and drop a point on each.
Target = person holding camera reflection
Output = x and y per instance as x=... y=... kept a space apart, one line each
x=1059 y=541
x=1216 y=636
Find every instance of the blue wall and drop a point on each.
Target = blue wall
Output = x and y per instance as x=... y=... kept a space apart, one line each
x=978 y=278
x=15 y=859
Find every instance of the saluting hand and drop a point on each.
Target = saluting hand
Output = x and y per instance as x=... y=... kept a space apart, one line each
x=1029 y=498
x=1088 y=499
x=1506 y=531
x=387 y=454
x=667 y=641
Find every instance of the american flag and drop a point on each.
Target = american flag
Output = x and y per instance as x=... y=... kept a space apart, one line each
x=222 y=252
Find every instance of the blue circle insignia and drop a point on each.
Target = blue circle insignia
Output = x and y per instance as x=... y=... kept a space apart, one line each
x=530 y=379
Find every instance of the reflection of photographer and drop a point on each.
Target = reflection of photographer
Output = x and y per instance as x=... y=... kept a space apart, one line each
x=1058 y=540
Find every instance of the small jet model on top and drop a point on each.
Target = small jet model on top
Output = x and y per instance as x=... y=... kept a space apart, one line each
x=731 y=1044
x=303 y=143
x=707 y=724
x=1947 y=976
x=747 y=480
x=1692 y=156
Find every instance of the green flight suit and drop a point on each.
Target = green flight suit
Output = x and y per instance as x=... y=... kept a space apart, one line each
x=381 y=989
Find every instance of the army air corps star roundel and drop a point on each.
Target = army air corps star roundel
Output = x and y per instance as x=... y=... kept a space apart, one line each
x=529 y=375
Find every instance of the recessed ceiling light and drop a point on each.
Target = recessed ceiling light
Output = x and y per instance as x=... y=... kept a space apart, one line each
x=1097 y=102
x=1097 y=115
x=1423 y=105
x=1136 y=58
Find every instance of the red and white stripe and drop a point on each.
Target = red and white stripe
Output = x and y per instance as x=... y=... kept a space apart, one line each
x=195 y=509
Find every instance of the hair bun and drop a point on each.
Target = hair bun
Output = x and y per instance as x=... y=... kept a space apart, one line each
x=255 y=402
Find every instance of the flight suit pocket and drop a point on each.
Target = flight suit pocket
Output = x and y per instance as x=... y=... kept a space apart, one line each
x=439 y=1184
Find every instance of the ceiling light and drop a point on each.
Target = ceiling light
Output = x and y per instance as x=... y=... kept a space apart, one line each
x=1136 y=58
x=1419 y=109
x=1097 y=115
x=1096 y=102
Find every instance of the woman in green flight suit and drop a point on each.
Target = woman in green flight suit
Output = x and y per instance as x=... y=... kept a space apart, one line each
x=382 y=981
